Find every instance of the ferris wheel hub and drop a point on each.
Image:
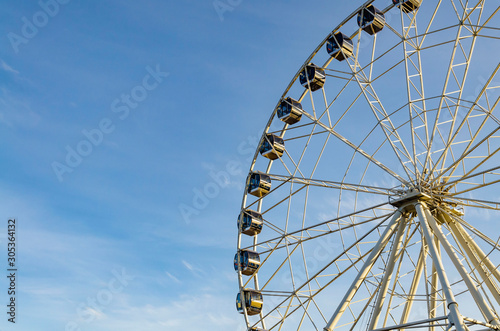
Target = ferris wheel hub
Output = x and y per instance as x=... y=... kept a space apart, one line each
x=407 y=200
x=410 y=197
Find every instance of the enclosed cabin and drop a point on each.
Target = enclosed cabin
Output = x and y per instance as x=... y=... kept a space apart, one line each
x=312 y=77
x=250 y=222
x=339 y=46
x=253 y=302
x=371 y=20
x=272 y=147
x=290 y=111
x=259 y=184
x=407 y=5
x=247 y=261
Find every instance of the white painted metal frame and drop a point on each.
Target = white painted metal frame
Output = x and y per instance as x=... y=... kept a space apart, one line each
x=396 y=209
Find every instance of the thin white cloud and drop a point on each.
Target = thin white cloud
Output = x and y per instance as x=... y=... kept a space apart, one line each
x=16 y=111
x=175 y=279
x=7 y=68
x=187 y=265
x=195 y=271
x=97 y=314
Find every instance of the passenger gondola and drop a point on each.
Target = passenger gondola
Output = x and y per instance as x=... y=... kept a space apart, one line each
x=312 y=77
x=259 y=184
x=407 y=5
x=272 y=147
x=371 y=20
x=252 y=222
x=290 y=111
x=339 y=46
x=249 y=262
x=253 y=302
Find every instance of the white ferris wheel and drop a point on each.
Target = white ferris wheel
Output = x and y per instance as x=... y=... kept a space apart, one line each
x=373 y=200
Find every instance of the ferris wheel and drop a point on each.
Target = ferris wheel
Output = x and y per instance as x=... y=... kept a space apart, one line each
x=373 y=201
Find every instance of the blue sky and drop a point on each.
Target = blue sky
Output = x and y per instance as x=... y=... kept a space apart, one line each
x=127 y=129
x=116 y=211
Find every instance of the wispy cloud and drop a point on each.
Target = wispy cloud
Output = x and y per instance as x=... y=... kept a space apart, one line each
x=188 y=265
x=194 y=270
x=16 y=111
x=172 y=277
x=7 y=68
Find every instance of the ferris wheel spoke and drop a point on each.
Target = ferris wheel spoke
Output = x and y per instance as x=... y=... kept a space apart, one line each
x=306 y=312
x=465 y=7
x=376 y=251
x=471 y=146
x=414 y=85
x=469 y=202
x=259 y=200
x=369 y=66
x=400 y=256
x=310 y=291
x=486 y=177
x=488 y=20
x=289 y=197
x=363 y=310
x=347 y=109
x=417 y=324
x=364 y=81
x=313 y=300
x=477 y=265
x=327 y=109
x=489 y=32
x=456 y=76
x=367 y=138
x=320 y=155
x=328 y=106
x=414 y=285
x=315 y=117
x=359 y=150
x=336 y=185
x=487 y=141
x=287 y=259
x=333 y=261
x=325 y=286
x=480 y=257
x=384 y=285
x=295 y=164
x=306 y=267
x=487 y=240
x=309 y=137
x=315 y=232
x=429 y=25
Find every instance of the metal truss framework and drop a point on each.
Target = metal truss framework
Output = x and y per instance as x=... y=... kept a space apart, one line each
x=383 y=210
